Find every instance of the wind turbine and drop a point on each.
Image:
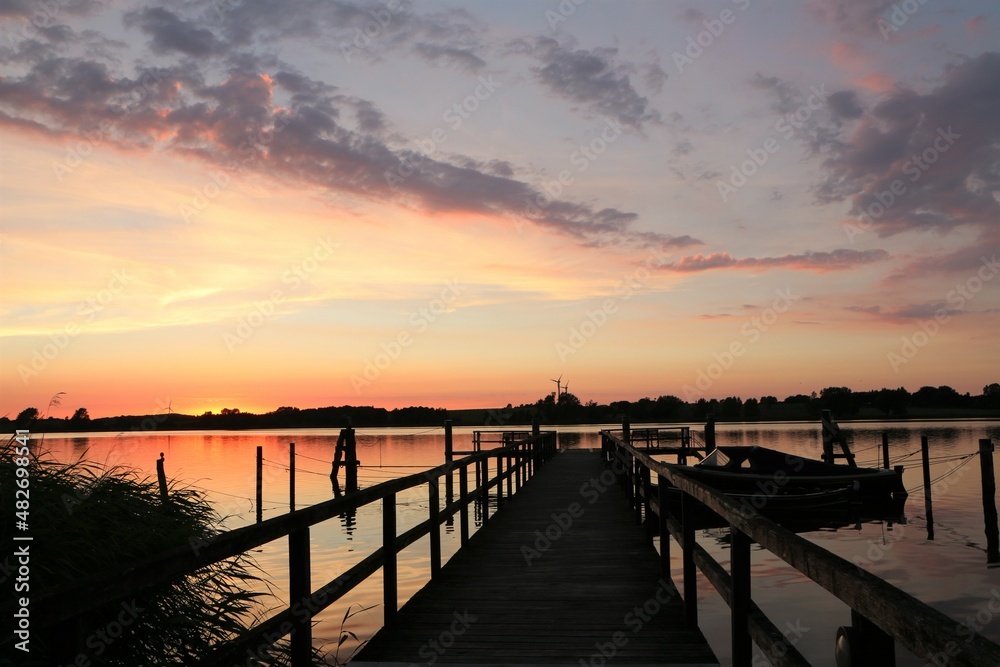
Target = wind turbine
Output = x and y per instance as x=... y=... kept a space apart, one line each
x=566 y=389
x=558 y=386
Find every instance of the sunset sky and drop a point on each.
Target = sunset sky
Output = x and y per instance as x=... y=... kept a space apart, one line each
x=322 y=202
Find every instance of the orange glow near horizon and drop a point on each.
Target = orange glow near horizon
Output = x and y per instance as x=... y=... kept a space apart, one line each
x=406 y=229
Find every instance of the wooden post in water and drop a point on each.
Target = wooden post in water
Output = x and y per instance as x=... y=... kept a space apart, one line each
x=709 y=434
x=989 y=501
x=338 y=453
x=161 y=476
x=351 y=460
x=830 y=433
x=291 y=477
x=260 y=483
x=925 y=455
x=885 y=449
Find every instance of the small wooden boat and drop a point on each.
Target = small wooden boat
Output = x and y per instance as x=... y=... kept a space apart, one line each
x=750 y=470
x=795 y=491
x=796 y=511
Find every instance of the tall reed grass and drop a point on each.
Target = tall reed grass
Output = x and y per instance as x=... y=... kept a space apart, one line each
x=85 y=520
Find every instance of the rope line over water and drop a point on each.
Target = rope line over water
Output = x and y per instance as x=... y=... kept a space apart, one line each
x=965 y=460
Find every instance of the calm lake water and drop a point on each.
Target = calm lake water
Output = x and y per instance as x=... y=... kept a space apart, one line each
x=949 y=573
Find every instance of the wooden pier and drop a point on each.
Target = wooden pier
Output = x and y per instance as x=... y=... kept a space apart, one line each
x=563 y=574
x=563 y=570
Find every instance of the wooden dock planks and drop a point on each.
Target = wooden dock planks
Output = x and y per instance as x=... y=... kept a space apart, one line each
x=592 y=591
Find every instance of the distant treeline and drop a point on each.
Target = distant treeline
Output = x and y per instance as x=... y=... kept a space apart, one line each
x=232 y=418
x=926 y=402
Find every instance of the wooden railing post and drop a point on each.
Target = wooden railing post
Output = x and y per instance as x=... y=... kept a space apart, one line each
x=885 y=449
x=479 y=474
x=435 y=526
x=661 y=491
x=637 y=489
x=626 y=431
x=519 y=459
x=463 y=495
x=510 y=476
x=484 y=490
x=389 y=576
x=687 y=549
x=299 y=590
x=989 y=501
x=740 y=607
x=536 y=444
x=449 y=448
x=647 y=490
x=499 y=481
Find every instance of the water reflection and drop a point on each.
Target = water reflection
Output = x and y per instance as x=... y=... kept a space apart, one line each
x=949 y=572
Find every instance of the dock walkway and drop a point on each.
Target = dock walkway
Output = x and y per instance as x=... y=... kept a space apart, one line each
x=562 y=575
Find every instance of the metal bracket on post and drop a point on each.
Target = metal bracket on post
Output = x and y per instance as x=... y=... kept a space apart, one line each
x=864 y=644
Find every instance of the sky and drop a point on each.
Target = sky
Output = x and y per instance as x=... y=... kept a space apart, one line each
x=328 y=202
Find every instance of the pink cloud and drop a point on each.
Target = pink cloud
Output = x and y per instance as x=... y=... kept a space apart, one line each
x=821 y=262
x=977 y=25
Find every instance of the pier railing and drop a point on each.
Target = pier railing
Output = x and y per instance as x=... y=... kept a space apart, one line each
x=880 y=612
x=671 y=440
x=510 y=466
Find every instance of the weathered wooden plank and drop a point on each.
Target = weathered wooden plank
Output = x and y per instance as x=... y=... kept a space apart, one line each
x=544 y=584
